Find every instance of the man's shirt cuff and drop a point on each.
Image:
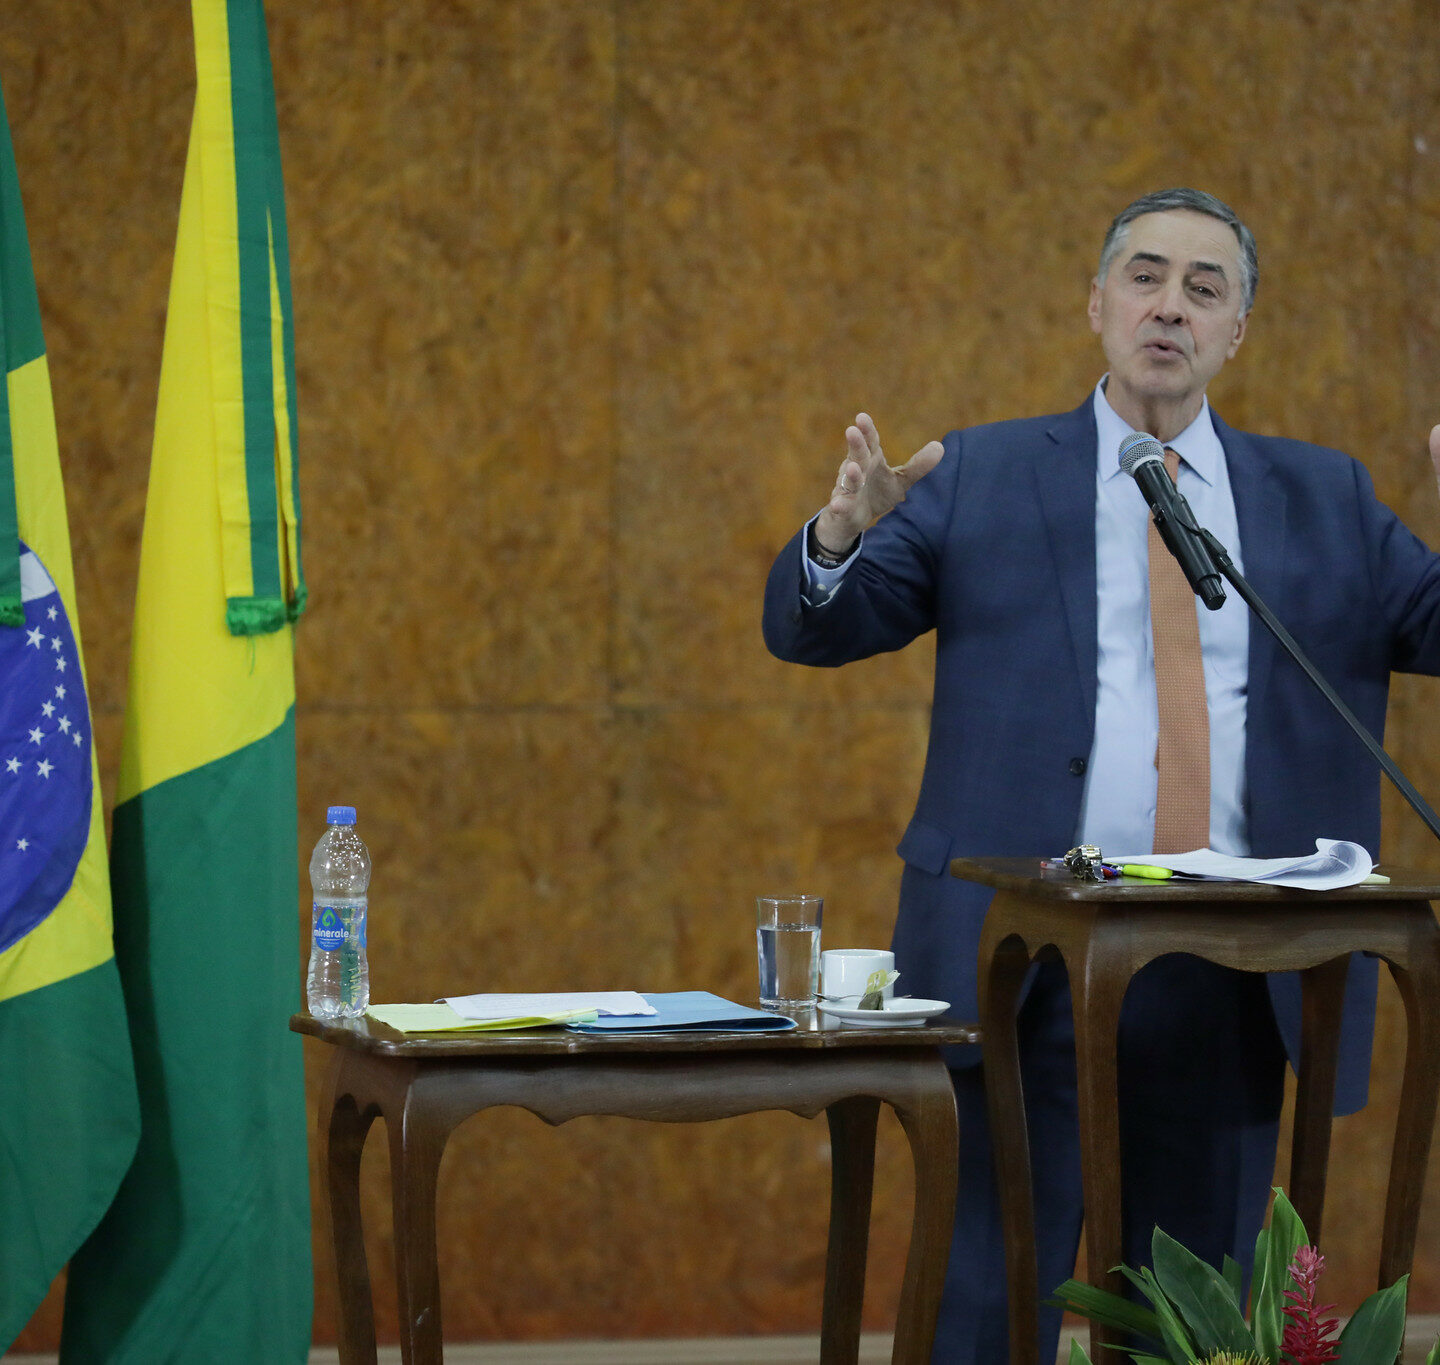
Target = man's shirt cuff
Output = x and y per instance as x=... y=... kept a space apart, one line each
x=819 y=584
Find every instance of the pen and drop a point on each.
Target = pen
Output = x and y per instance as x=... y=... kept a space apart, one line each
x=1154 y=874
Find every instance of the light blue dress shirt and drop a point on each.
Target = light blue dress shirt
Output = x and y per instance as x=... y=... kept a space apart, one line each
x=1117 y=810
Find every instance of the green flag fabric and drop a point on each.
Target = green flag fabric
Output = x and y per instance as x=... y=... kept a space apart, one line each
x=68 y=1117
x=205 y=1254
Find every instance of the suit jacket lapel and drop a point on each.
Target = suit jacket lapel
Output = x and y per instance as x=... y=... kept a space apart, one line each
x=1260 y=514
x=1064 y=473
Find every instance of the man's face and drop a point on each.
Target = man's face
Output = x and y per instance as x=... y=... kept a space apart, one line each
x=1169 y=312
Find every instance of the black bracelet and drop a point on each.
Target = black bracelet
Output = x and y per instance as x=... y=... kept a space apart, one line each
x=826 y=558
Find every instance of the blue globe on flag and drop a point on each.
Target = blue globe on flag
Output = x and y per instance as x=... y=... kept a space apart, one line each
x=45 y=787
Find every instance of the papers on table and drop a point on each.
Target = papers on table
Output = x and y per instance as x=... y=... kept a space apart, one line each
x=440 y=1018
x=1335 y=863
x=690 y=1011
x=551 y=1002
x=585 y=1012
x=486 y=1013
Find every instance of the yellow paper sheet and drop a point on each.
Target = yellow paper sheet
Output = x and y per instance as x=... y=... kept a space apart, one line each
x=440 y=1018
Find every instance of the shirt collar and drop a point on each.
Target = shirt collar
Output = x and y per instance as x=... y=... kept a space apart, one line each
x=1198 y=445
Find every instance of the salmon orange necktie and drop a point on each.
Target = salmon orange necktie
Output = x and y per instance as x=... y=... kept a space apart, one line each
x=1182 y=755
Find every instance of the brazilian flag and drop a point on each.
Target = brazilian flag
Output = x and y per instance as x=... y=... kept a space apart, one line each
x=205 y=1254
x=68 y=1118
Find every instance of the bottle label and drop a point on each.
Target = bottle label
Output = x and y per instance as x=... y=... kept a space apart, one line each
x=329 y=925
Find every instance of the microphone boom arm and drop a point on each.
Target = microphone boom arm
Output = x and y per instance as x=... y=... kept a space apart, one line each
x=1253 y=600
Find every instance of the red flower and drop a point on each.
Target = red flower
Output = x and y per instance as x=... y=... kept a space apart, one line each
x=1309 y=1337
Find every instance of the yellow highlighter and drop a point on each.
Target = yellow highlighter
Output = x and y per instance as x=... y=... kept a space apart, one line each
x=1154 y=874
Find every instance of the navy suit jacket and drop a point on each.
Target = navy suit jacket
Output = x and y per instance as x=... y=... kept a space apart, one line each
x=995 y=551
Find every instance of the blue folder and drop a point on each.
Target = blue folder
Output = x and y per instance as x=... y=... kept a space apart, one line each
x=691 y=1011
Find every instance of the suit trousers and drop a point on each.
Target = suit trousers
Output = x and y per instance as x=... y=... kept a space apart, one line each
x=1201 y=1072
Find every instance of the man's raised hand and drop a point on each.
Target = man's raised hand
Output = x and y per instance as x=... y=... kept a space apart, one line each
x=867 y=487
x=1434 y=454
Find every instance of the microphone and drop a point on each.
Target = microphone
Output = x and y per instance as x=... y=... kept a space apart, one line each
x=1143 y=458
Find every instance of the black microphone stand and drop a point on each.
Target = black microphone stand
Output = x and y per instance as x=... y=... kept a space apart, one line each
x=1253 y=600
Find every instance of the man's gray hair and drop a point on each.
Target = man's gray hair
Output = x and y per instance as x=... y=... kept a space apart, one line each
x=1197 y=201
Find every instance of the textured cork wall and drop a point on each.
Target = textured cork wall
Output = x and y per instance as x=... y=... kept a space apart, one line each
x=586 y=291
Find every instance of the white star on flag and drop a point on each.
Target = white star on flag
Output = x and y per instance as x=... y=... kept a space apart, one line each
x=60 y=663
x=49 y=709
x=36 y=735
x=64 y=724
x=33 y=637
x=44 y=767
x=12 y=765
x=22 y=844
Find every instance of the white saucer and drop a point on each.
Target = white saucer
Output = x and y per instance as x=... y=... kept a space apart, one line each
x=896 y=1014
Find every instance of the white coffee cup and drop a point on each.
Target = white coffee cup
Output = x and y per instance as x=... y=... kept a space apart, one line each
x=845 y=971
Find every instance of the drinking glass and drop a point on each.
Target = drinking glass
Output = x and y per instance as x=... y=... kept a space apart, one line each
x=787 y=943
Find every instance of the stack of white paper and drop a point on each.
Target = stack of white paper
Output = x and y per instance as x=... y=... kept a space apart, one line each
x=1335 y=863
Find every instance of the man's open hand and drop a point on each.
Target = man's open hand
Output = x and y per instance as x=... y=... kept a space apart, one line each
x=867 y=487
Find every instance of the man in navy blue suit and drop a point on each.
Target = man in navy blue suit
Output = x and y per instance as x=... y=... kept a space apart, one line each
x=1024 y=547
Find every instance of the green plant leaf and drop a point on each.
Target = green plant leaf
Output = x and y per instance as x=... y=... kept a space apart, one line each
x=1079 y=1356
x=1209 y=1309
x=1173 y=1335
x=1234 y=1278
x=1374 y=1334
x=1434 y=1357
x=1264 y=1328
x=1275 y=1248
x=1261 y=1243
x=1110 y=1310
x=1150 y=1290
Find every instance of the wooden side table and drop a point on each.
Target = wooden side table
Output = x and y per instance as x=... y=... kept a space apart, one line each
x=1107 y=931
x=423 y=1087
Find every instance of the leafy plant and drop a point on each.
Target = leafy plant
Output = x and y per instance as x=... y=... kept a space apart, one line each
x=1195 y=1314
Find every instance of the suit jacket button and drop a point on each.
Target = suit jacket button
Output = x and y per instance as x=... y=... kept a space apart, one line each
x=1077 y=766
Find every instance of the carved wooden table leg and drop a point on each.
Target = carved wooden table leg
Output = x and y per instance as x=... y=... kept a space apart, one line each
x=343 y=1126
x=1000 y=985
x=1323 y=993
x=852 y=1182
x=432 y=1104
x=927 y=1115
x=1419 y=985
x=1097 y=989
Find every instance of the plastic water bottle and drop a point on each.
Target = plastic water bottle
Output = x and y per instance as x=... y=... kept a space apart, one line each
x=338 y=984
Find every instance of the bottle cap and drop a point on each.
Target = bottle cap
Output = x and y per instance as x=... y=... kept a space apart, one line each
x=340 y=815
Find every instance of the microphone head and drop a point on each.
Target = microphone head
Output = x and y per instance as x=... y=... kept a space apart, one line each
x=1138 y=448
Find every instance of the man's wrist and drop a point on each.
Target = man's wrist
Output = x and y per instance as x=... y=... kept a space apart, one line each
x=823 y=555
